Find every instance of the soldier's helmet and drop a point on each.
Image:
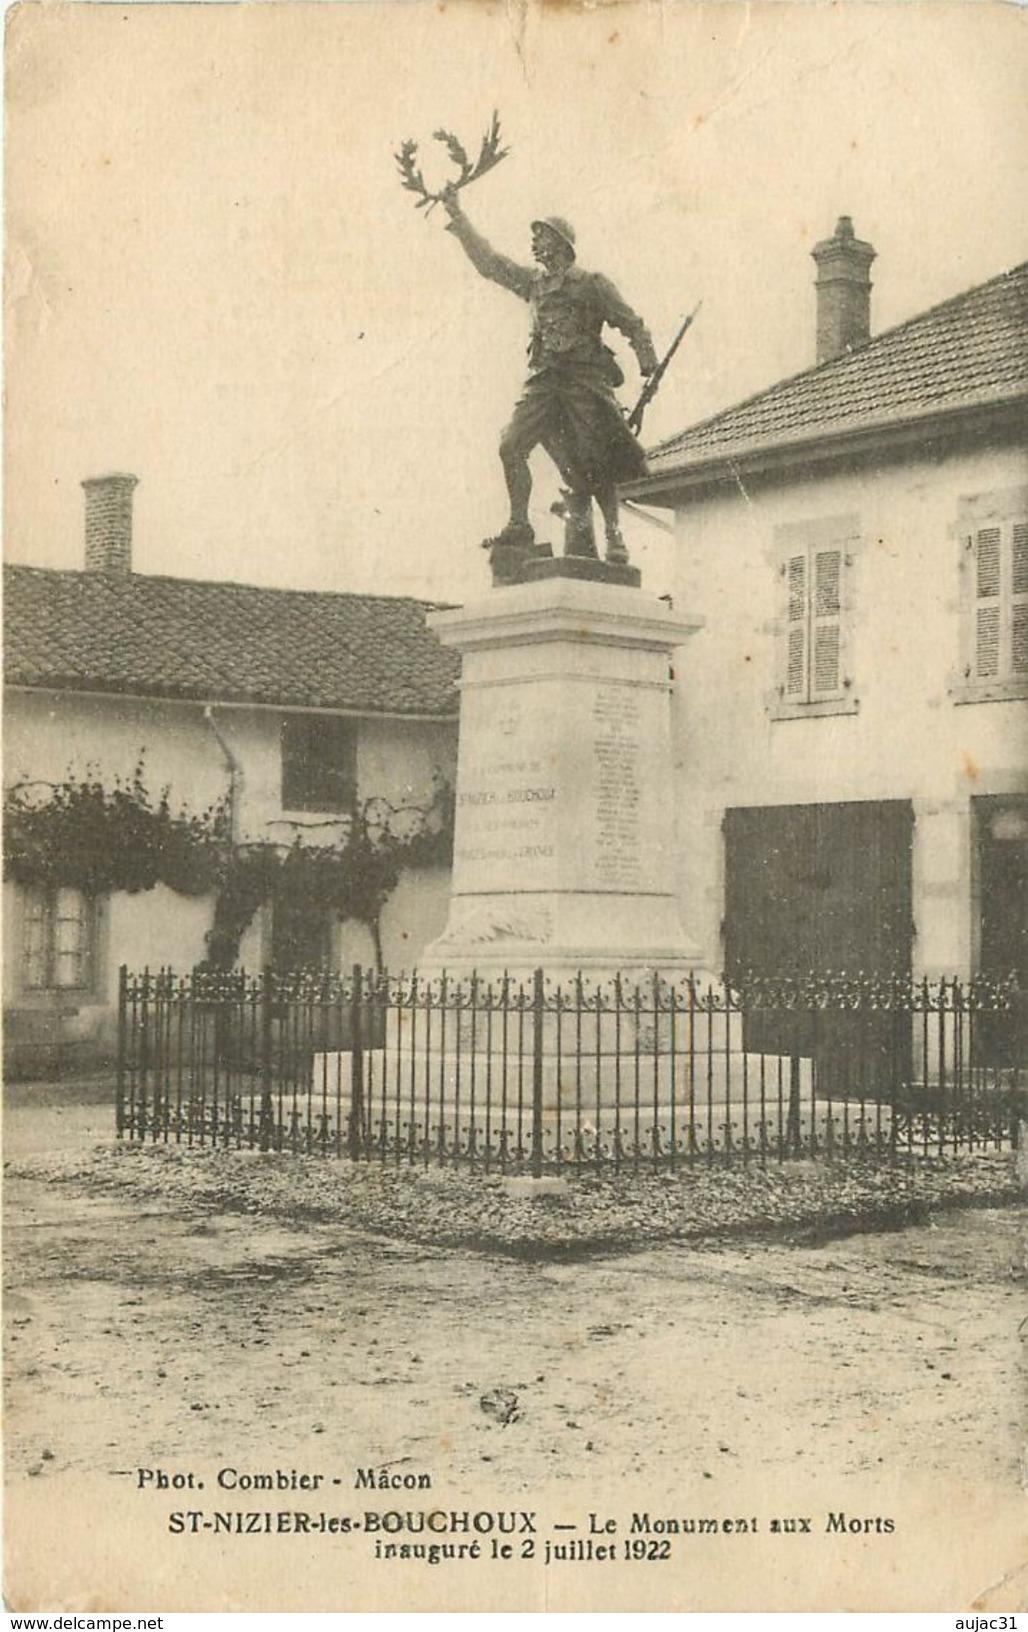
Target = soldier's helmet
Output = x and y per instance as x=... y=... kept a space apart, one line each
x=559 y=227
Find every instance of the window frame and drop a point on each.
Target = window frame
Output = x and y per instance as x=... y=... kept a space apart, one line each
x=809 y=542
x=979 y=517
x=301 y=762
x=49 y=951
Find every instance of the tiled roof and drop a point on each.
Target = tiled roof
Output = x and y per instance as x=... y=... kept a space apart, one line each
x=971 y=351
x=178 y=637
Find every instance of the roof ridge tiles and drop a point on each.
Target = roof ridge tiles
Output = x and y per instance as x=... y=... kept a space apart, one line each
x=156 y=635
x=134 y=579
x=827 y=382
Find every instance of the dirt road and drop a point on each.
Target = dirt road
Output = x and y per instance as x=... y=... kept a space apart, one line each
x=747 y=1379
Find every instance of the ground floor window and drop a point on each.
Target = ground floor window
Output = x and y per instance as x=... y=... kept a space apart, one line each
x=59 y=940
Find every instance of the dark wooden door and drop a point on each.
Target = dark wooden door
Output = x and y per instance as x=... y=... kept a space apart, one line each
x=1002 y=843
x=823 y=889
x=301 y=935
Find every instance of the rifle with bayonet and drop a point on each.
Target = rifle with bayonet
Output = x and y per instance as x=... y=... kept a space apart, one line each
x=652 y=385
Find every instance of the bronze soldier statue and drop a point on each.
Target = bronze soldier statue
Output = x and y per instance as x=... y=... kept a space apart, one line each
x=568 y=404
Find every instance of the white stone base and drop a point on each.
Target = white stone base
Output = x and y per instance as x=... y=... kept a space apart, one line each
x=564 y=850
x=521 y=1187
x=460 y=1088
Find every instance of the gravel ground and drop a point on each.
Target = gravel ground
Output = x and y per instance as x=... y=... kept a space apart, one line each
x=772 y=1345
x=802 y=1201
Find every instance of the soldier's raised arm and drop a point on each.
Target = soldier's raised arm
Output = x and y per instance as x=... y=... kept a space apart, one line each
x=483 y=257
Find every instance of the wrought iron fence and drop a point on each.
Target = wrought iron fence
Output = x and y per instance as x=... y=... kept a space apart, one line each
x=526 y=1075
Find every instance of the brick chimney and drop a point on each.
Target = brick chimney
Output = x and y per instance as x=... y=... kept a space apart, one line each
x=109 y=523
x=843 y=292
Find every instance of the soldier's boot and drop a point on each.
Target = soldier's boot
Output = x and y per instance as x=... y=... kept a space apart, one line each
x=617 y=549
x=517 y=535
x=509 y=550
x=579 y=536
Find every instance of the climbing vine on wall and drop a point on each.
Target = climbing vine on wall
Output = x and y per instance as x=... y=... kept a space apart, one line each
x=354 y=879
x=101 y=839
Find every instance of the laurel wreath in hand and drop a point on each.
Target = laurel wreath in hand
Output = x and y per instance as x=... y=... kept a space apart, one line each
x=469 y=170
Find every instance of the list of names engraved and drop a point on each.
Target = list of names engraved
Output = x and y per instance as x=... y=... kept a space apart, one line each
x=616 y=835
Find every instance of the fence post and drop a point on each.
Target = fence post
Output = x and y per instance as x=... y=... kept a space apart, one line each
x=159 y=1052
x=793 y=1125
x=537 y=1074
x=267 y=1122
x=144 y=1053
x=355 y=1125
x=119 y=1091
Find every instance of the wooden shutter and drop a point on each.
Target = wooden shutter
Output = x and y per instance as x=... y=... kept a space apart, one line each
x=825 y=620
x=1019 y=599
x=813 y=567
x=988 y=602
x=797 y=629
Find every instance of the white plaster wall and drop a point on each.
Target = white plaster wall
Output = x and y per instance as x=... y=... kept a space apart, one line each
x=255 y=942
x=151 y=929
x=909 y=740
x=414 y=916
x=398 y=760
x=156 y=928
x=49 y=734
x=355 y=946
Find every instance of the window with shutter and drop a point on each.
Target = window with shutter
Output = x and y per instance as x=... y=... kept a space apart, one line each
x=996 y=549
x=1019 y=599
x=813 y=680
x=987 y=606
x=825 y=613
x=797 y=634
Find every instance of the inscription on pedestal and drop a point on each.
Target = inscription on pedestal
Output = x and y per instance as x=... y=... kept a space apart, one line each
x=564 y=845
x=616 y=831
x=508 y=815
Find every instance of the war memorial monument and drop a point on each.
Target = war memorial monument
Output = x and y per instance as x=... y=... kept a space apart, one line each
x=564 y=846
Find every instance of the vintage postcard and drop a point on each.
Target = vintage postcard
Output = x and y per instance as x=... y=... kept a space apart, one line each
x=516 y=807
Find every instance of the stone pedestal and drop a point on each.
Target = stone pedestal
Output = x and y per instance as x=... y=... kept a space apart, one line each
x=565 y=833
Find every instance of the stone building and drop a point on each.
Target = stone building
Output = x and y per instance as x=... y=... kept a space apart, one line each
x=289 y=708
x=852 y=736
